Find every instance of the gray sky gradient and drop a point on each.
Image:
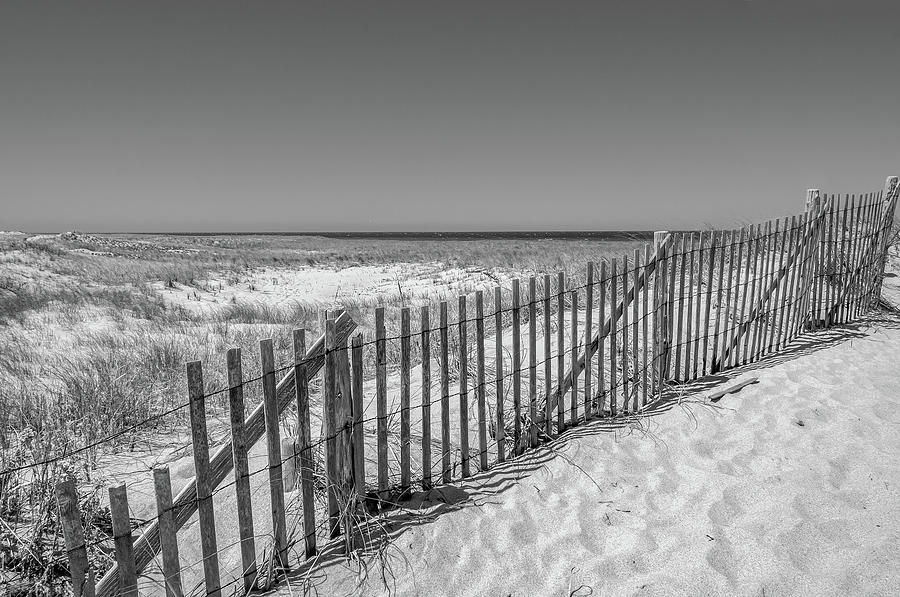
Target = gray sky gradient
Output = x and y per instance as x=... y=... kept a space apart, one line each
x=306 y=116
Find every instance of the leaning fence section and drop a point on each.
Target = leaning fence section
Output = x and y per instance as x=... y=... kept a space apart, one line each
x=479 y=382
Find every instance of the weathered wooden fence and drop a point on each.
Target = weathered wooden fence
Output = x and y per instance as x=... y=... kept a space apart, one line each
x=689 y=306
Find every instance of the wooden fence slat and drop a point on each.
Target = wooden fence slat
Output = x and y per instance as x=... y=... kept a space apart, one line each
x=782 y=294
x=844 y=262
x=659 y=313
x=121 y=529
x=759 y=260
x=689 y=312
x=241 y=471
x=359 y=441
x=790 y=293
x=601 y=337
x=350 y=506
x=759 y=337
x=797 y=306
x=775 y=282
x=857 y=285
x=168 y=539
x=500 y=433
x=635 y=358
x=560 y=351
x=831 y=252
x=204 y=484
x=671 y=257
x=740 y=351
x=775 y=273
x=404 y=401
x=73 y=535
x=709 y=294
x=446 y=470
x=771 y=282
x=820 y=267
x=304 y=443
x=775 y=301
x=697 y=320
x=783 y=317
x=548 y=359
x=463 y=389
x=625 y=330
x=588 y=329
x=874 y=210
x=532 y=361
x=736 y=315
x=797 y=274
x=679 y=325
x=644 y=324
x=729 y=290
x=573 y=415
x=656 y=357
x=803 y=290
x=851 y=265
x=381 y=403
x=849 y=257
x=273 y=445
x=425 y=338
x=516 y=365
x=613 y=341
x=479 y=390
x=719 y=291
x=186 y=502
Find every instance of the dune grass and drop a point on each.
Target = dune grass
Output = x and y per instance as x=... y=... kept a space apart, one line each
x=91 y=347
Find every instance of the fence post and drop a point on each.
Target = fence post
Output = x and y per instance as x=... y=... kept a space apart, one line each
x=273 y=448
x=301 y=394
x=204 y=484
x=124 y=543
x=812 y=203
x=73 y=534
x=168 y=539
x=241 y=467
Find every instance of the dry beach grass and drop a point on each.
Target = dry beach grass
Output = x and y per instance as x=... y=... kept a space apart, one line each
x=96 y=329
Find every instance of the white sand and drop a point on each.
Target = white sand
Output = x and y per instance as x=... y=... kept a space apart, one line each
x=732 y=499
x=285 y=286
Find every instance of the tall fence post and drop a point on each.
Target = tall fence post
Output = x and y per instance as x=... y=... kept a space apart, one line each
x=812 y=203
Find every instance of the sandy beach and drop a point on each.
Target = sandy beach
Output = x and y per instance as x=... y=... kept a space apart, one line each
x=788 y=487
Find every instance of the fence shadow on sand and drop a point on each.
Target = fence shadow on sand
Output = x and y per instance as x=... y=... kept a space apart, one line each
x=377 y=534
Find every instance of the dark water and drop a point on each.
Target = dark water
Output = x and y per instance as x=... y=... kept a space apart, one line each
x=508 y=235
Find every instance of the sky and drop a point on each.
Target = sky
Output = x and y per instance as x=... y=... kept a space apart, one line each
x=313 y=116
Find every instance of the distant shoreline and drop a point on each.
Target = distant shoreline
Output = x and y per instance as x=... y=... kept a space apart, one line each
x=450 y=235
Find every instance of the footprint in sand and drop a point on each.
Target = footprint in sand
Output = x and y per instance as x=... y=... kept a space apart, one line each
x=723 y=512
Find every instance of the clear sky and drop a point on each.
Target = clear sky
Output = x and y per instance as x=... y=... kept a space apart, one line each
x=450 y=115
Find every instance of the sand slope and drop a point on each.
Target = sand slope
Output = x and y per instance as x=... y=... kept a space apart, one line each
x=733 y=499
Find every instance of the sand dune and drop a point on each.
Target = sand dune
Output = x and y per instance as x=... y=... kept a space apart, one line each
x=789 y=487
